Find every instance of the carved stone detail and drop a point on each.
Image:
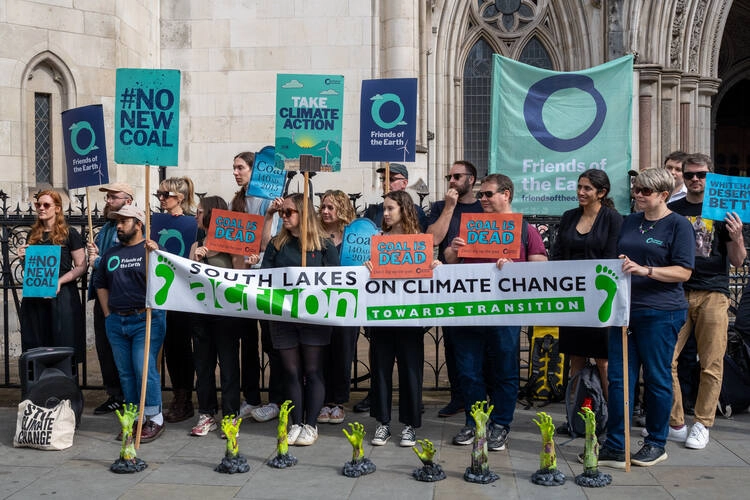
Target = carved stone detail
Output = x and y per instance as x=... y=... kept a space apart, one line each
x=675 y=44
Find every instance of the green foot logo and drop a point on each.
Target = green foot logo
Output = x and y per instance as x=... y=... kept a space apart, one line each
x=164 y=269
x=606 y=280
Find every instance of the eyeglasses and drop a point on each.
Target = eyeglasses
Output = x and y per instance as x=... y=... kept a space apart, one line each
x=488 y=194
x=393 y=179
x=165 y=194
x=642 y=190
x=111 y=197
x=690 y=175
x=455 y=177
x=287 y=212
x=44 y=205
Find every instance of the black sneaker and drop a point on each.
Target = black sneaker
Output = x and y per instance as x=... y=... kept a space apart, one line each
x=108 y=406
x=363 y=406
x=609 y=458
x=454 y=407
x=649 y=455
x=497 y=437
x=465 y=436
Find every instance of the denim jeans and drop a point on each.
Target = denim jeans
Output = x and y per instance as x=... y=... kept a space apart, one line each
x=651 y=344
x=127 y=336
x=498 y=346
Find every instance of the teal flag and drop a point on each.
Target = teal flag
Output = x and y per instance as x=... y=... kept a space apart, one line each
x=547 y=127
x=147 y=116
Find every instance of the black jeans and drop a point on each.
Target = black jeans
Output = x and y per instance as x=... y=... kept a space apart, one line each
x=337 y=368
x=250 y=360
x=214 y=337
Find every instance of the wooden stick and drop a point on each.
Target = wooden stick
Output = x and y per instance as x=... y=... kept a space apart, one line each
x=387 y=178
x=88 y=212
x=147 y=341
x=303 y=222
x=626 y=395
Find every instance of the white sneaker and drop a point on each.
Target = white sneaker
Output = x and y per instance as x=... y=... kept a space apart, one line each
x=678 y=435
x=292 y=435
x=246 y=409
x=325 y=415
x=408 y=436
x=266 y=412
x=206 y=423
x=382 y=435
x=698 y=438
x=307 y=436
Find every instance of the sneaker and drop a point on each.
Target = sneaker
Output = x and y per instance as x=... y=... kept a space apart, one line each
x=497 y=437
x=307 y=436
x=464 y=436
x=337 y=415
x=266 y=412
x=325 y=415
x=609 y=458
x=454 y=407
x=293 y=434
x=678 y=434
x=108 y=406
x=151 y=431
x=363 y=406
x=206 y=424
x=408 y=436
x=246 y=409
x=382 y=435
x=698 y=438
x=649 y=455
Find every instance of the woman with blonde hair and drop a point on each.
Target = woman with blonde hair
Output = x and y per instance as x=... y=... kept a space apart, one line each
x=300 y=345
x=177 y=198
x=335 y=213
x=56 y=321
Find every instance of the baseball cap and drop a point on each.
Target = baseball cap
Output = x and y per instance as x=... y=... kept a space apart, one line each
x=118 y=187
x=395 y=168
x=129 y=211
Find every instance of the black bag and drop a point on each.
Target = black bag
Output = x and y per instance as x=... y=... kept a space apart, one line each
x=735 y=386
x=588 y=392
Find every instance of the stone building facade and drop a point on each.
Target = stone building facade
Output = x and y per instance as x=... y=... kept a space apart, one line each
x=690 y=74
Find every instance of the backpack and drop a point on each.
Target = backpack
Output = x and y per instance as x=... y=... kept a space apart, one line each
x=545 y=379
x=588 y=392
x=735 y=385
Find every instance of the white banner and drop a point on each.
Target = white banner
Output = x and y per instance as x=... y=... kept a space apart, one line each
x=560 y=293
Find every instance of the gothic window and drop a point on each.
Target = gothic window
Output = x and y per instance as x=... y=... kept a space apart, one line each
x=477 y=83
x=42 y=139
x=535 y=54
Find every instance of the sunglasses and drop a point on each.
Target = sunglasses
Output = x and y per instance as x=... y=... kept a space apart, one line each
x=44 y=205
x=455 y=177
x=165 y=194
x=488 y=194
x=643 y=190
x=287 y=212
x=691 y=175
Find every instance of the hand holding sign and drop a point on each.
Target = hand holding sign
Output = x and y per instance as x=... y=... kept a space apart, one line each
x=401 y=256
x=490 y=235
x=234 y=232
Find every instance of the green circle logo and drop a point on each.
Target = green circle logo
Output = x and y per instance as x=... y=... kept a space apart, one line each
x=74 y=130
x=375 y=112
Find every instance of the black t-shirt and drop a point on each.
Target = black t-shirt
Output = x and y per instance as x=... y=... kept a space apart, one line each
x=74 y=242
x=122 y=271
x=455 y=223
x=711 y=270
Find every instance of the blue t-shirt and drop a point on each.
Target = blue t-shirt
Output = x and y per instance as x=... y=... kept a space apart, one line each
x=455 y=223
x=668 y=242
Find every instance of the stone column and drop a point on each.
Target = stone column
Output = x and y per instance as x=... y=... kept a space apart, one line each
x=400 y=40
x=707 y=88
x=688 y=112
x=670 y=112
x=648 y=119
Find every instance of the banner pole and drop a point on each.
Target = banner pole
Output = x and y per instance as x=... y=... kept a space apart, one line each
x=303 y=222
x=387 y=178
x=88 y=213
x=147 y=340
x=626 y=395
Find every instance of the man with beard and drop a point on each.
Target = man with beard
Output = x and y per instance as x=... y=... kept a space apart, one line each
x=117 y=195
x=120 y=283
x=444 y=224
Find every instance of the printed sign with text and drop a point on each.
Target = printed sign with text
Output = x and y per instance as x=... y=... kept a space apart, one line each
x=266 y=180
x=85 y=146
x=491 y=236
x=41 y=270
x=388 y=120
x=726 y=194
x=401 y=256
x=355 y=244
x=234 y=232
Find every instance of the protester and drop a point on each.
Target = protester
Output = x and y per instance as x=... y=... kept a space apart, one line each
x=707 y=294
x=122 y=293
x=214 y=337
x=117 y=196
x=176 y=196
x=403 y=344
x=444 y=222
x=242 y=168
x=336 y=212
x=487 y=356
x=587 y=232
x=56 y=321
x=300 y=345
x=658 y=251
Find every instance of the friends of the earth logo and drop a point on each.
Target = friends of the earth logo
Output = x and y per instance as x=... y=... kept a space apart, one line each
x=314 y=294
x=606 y=280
